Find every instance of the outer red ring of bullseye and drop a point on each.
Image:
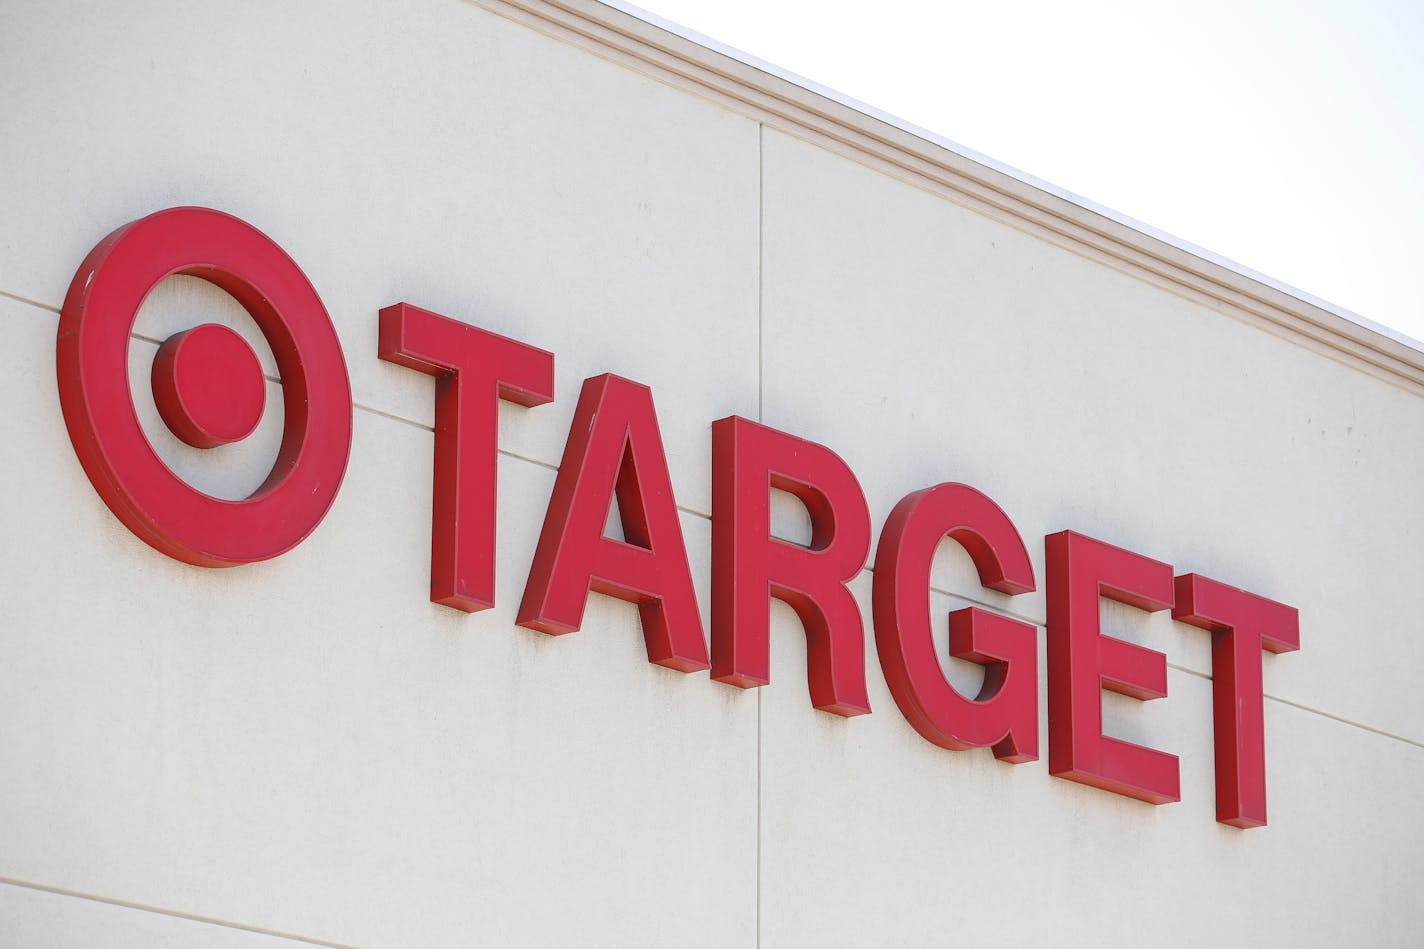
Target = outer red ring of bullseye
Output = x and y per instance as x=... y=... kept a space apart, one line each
x=92 y=365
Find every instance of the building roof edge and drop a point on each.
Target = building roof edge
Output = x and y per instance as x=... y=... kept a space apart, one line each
x=681 y=57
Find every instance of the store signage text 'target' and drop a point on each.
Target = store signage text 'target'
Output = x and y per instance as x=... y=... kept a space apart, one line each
x=209 y=390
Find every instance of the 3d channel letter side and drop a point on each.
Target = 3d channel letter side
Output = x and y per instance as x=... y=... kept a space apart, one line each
x=1242 y=624
x=1082 y=661
x=1004 y=716
x=615 y=447
x=474 y=370
x=749 y=566
x=91 y=364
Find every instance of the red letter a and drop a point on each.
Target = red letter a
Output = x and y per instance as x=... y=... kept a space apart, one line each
x=614 y=445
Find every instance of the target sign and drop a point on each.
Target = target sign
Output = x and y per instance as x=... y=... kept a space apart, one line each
x=208 y=387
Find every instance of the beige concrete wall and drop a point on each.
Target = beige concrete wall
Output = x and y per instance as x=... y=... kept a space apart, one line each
x=307 y=750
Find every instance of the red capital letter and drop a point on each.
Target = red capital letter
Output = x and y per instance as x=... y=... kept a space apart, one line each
x=1005 y=715
x=614 y=445
x=1242 y=624
x=1082 y=661
x=473 y=370
x=749 y=565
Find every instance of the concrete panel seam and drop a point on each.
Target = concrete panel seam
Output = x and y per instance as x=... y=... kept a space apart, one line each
x=371 y=409
x=29 y=302
x=1028 y=618
x=1346 y=721
x=1189 y=671
x=860 y=135
x=176 y=914
x=758 y=820
x=761 y=262
x=1306 y=708
x=761 y=389
x=158 y=342
x=539 y=462
x=382 y=413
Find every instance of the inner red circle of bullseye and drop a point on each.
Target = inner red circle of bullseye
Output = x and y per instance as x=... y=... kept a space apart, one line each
x=208 y=386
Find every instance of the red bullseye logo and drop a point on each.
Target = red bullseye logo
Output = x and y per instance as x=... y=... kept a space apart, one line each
x=208 y=386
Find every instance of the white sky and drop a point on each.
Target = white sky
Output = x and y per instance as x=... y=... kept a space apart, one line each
x=1287 y=136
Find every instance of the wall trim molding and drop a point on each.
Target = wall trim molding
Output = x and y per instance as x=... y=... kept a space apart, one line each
x=799 y=108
